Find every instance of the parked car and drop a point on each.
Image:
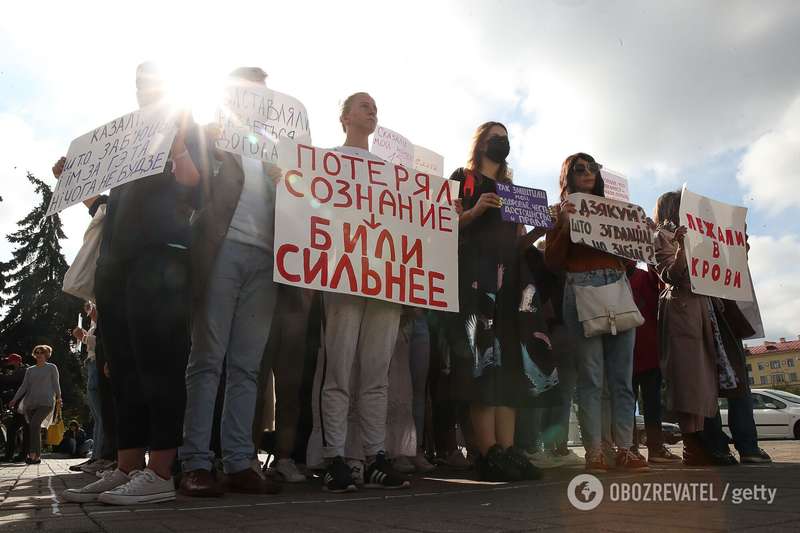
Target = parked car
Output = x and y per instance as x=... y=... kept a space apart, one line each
x=776 y=413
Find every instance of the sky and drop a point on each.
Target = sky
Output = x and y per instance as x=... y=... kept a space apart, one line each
x=699 y=92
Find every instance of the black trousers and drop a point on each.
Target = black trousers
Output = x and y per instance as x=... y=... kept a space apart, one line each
x=143 y=309
x=107 y=411
x=649 y=384
x=17 y=422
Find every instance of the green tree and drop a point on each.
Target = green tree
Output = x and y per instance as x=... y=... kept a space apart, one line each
x=36 y=309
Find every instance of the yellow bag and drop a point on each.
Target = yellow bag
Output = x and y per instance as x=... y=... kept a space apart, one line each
x=55 y=433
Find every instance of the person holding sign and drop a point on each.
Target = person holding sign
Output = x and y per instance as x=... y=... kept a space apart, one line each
x=702 y=357
x=359 y=333
x=499 y=303
x=601 y=355
x=234 y=301
x=143 y=303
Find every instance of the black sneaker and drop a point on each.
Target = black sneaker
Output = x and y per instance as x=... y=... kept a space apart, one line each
x=757 y=457
x=337 y=477
x=526 y=469
x=662 y=456
x=496 y=465
x=380 y=475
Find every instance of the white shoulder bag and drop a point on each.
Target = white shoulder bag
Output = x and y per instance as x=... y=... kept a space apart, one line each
x=79 y=279
x=607 y=309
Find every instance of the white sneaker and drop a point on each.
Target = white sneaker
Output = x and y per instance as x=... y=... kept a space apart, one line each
x=403 y=465
x=144 y=487
x=111 y=480
x=421 y=463
x=357 y=471
x=569 y=459
x=97 y=466
x=286 y=469
x=541 y=459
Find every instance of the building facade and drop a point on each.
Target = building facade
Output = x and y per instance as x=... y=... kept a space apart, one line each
x=774 y=363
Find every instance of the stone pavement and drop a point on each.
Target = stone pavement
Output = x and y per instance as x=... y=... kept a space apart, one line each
x=444 y=501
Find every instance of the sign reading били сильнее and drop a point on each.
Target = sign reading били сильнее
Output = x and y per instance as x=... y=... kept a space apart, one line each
x=348 y=221
x=716 y=247
x=619 y=228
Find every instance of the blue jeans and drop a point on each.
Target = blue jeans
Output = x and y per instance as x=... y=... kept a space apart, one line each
x=93 y=399
x=234 y=321
x=604 y=356
x=741 y=424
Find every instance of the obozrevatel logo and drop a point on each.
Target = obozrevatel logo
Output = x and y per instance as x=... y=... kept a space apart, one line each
x=585 y=492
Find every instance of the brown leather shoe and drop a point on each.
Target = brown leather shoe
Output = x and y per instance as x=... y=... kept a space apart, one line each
x=199 y=483
x=248 y=481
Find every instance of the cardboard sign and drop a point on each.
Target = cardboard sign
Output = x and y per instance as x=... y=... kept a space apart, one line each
x=393 y=147
x=428 y=161
x=254 y=118
x=524 y=205
x=128 y=148
x=716 y=247
x=615 y=185
x=752 y=313
x=350 y=222
x=619 y=228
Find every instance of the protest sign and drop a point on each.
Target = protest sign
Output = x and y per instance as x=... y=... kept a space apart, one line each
x=350 y=222
x=393 y=147
x=428 y=161
x=128 y=148
x=615 y=185
x=254 y=118
x=619 y=228
x=752 y=313
x=716 y=247
x=524 y=205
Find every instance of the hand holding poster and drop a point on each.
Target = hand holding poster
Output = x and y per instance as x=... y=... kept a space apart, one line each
x=350 y=222
x=254 y=118
x=128 y=148
x=615 y=185
x=393 y=147
x=619 y=228
x=716 y=247
x=524 y=205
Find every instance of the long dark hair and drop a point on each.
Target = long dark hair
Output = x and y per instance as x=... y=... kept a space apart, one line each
x=567 y=179
x=476 y=152
x=668 y=208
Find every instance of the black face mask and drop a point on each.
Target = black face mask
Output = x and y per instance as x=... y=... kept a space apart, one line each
x=497 y=148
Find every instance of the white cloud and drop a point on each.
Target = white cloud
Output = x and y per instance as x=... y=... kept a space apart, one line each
x=775 y=267
x=770 y=170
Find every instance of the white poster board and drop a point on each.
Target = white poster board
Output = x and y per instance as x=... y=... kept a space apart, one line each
x=615 y=185
x=428 y=161
x=716 y=247
x=254 y=118
x=393 y=147
x=619 y=228
x=353 y=223
x=125 y=149
x=752 y=313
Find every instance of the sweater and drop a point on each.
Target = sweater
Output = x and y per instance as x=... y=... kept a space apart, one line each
x=40 y=386
x=561 y=253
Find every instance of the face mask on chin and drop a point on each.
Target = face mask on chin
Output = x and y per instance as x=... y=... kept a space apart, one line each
x=497 y=148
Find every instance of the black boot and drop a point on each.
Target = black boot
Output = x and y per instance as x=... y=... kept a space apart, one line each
x=694 y=454
x=496 y=466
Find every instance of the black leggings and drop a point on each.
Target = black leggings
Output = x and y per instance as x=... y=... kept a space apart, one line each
x=143 y=310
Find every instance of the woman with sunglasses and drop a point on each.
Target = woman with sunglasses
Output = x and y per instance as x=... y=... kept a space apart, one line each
x=41 y=393
x=602 y=357
x=509 y=353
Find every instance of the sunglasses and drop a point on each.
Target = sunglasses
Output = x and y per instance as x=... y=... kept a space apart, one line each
x=580 y=168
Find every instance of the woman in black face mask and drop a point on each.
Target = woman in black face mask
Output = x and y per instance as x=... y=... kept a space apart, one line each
x=503 y=358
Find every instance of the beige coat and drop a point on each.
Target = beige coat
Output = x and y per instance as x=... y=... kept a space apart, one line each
x=686 y=338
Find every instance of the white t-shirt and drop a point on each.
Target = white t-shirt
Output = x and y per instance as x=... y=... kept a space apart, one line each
x=253 y=222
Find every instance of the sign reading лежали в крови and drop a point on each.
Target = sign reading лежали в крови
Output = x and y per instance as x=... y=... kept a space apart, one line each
x=350 y=222
x=619 y=228
x=716 y=247
x=128 y=148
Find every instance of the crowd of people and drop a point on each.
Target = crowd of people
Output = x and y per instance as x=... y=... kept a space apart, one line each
x=194 y=350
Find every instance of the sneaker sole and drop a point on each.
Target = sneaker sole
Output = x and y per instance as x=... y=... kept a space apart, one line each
x=134 y=500
x=350 y=488
x=405 y=485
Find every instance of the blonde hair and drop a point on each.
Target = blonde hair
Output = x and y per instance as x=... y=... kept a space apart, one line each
x=347 y=105
x=44 y=347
